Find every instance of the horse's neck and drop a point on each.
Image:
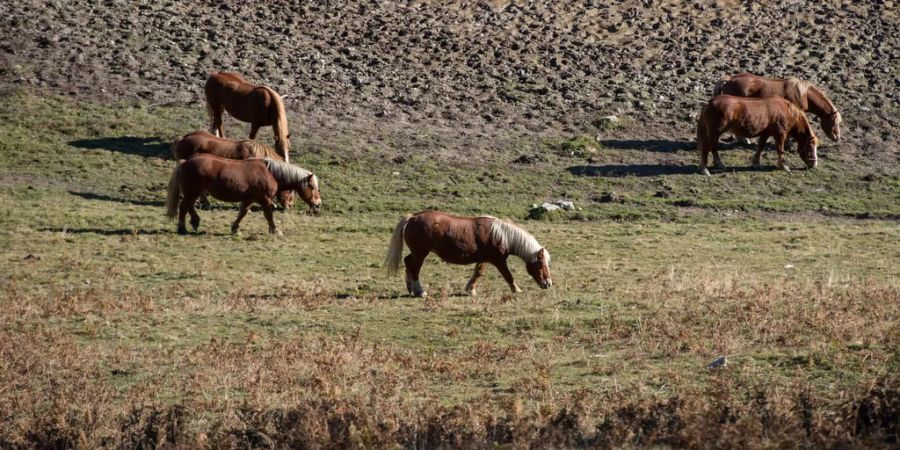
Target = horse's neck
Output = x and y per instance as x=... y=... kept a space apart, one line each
x=818 y=103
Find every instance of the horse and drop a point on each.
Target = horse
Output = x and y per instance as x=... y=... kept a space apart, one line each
x=248 y=181
x=465 y=240
x=202 y=141
x=259 y=105
x=750 y=117
x=799 y=92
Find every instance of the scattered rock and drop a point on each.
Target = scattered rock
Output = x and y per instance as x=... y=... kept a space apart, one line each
x=608 y=122
x=609 y=197
x=548 y=210
x=717 y=363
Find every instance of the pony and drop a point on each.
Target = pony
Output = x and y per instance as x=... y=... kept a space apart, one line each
x=248 y=181
x=799 y=92
x=259 y=105
x=750 y=117
x=465 y=240
x=202 y=141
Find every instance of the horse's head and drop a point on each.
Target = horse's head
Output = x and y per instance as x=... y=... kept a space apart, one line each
x=286 y=198
x=539 y=268
x=806 y=147
x=309 y=192
x=832 y=126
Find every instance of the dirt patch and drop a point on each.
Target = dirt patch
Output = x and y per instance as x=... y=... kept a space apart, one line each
x=503 y=68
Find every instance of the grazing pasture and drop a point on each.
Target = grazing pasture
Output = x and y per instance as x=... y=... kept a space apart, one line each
x=114 y=329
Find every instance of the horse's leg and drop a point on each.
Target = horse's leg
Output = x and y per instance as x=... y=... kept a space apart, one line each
x=709 y=143
x=507 y=275
x=187 y=206
x=779 y=142
x=760 y=146
x=254 y=128
x=717 y=162
x=268 y=208
x=413 y=267
x=472 y=285
x=195 y=218
x=217 y=128
x=236 y=226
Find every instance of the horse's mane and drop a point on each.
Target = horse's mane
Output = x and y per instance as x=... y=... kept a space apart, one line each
x=518 y=241
x=831 y=109
x=290 y=174
x=795 y=90
x=260 y=150
x=280 y=126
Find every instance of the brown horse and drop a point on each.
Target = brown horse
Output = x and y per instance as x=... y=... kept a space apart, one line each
x=202 y=141
x=465 y=240
x=750 y=117
x=247 y=181
x=259 y=105
x=801 y=93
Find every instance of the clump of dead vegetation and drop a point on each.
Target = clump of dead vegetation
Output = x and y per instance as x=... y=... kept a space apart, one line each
x=810 y=365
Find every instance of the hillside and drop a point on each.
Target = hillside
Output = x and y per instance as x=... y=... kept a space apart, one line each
x=115 y=332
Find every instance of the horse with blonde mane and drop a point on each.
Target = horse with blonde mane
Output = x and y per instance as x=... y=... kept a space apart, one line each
x=259 y=105
x=465 y=240
x=202 y=141
x=751 y=117
x=248 y=181
x=801 y=93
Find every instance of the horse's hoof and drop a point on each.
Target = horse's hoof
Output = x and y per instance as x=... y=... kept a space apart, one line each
x=786 y=169
x=704 y=171
x=182 y=231
x=420 y=294
x=719 y=165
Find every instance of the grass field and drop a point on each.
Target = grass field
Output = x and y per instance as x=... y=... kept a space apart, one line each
x=114 y=330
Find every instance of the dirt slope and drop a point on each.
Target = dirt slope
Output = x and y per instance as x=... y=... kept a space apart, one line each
x=522 y=67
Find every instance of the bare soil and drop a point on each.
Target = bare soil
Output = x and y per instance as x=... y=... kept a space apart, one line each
x=473 y=75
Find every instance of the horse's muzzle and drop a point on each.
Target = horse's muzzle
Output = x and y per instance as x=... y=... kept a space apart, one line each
x=546 y=284
x=315 y=210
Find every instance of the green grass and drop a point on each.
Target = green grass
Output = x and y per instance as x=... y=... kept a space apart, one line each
x=646 y=292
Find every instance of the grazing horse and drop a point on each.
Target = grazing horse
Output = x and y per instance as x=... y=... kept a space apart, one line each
x=750 y=117
x=465 y=240
x=202 y=141
x=259 y=105
x=247 y=181
x=799 y=92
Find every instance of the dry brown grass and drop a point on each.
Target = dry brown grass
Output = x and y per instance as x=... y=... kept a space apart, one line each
x=65 y=387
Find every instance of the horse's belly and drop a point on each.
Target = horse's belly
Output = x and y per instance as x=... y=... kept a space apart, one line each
x=457 y=255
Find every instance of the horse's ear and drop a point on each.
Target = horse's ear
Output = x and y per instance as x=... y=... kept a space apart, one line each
x=540 y=255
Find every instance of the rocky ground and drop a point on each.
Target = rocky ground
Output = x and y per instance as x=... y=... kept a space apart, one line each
x=483 y=68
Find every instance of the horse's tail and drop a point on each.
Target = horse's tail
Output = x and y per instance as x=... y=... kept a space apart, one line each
x=173 y=193
x=395 y=248
x=174 y=148
x=280 y=125
x=720 y=85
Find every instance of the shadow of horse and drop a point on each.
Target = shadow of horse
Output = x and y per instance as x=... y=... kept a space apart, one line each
x=108 y=198
x=638 y=170
x=650 y=145
x=148 y=147
x=105 y=232
x=652 y=170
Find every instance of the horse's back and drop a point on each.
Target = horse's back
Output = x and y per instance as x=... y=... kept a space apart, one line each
x=202 y=141
x=455 y=239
